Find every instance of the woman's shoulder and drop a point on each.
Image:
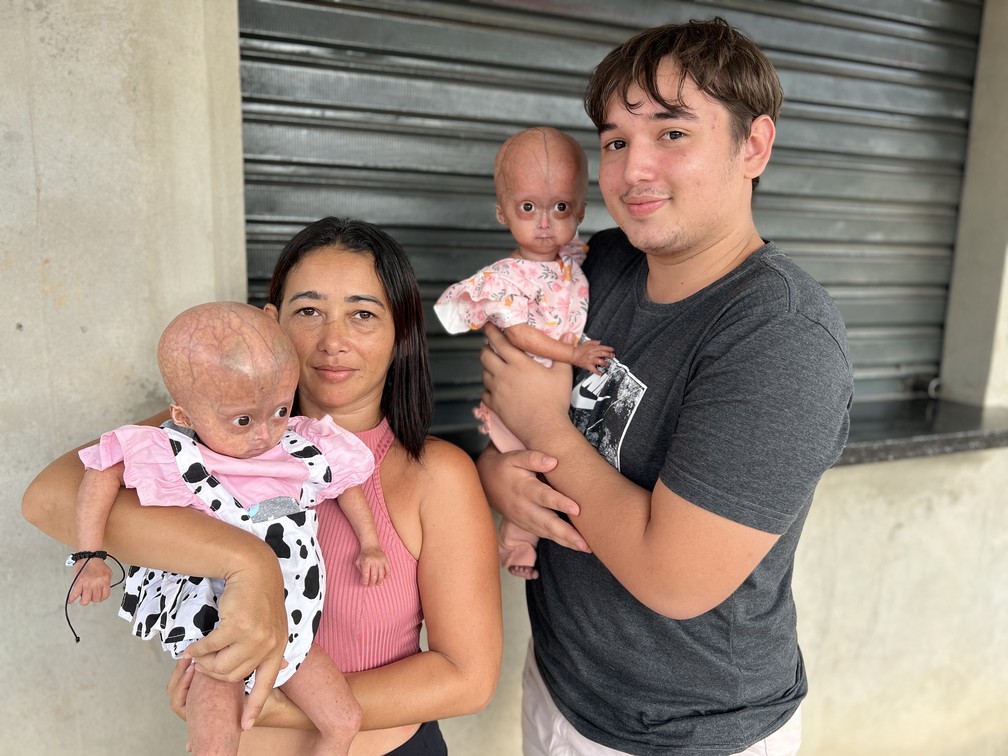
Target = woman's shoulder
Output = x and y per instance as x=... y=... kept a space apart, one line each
x=441 y=465
x=441 y=456
x=450 y=494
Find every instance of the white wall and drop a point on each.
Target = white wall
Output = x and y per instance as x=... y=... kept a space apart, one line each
x=975 y=359
x=121 y=203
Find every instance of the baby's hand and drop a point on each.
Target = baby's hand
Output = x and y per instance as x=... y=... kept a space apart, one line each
x=93 y=583
x=373 y=565
x=592 y=355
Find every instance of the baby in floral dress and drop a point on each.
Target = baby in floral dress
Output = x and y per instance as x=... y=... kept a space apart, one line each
x=538 y=294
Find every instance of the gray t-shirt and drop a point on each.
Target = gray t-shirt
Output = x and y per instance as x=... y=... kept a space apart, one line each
x=737 y=399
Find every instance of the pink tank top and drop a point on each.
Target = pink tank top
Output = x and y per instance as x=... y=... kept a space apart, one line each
x=363 y=628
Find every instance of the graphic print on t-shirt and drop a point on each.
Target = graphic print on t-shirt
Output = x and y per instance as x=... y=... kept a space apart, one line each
x=602 y=407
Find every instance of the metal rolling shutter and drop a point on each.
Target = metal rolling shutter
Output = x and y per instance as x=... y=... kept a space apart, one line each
x=392 y=112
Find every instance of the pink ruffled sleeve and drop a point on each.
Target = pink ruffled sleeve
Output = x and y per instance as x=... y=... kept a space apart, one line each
x=350 y=461
x=148 y=465
x=493 y=295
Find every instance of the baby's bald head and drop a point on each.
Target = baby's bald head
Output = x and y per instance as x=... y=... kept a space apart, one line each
x=542 y=153
x=210 y=347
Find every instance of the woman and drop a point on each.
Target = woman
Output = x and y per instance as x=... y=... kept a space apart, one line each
x=345 y=294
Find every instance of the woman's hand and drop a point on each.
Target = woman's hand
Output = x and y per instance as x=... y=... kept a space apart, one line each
x=514 y=489
x=251 y=634
x=178 y=686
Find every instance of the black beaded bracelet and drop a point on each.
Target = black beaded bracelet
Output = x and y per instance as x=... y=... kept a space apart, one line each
x=78 y=555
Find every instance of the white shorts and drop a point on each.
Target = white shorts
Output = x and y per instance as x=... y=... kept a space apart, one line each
x=546 y=732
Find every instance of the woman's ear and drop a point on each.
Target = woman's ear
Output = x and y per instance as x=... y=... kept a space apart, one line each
x=179 y=416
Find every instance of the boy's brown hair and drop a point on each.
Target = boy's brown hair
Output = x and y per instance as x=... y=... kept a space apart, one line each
x=724 y=63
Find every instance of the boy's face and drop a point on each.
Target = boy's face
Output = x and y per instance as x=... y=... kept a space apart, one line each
x=675 y=181
x=245 y=416
x=543 y=202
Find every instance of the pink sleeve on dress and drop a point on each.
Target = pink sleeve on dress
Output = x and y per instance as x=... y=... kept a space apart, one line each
x=149 y=465
x=492 y=295
x=350 y=461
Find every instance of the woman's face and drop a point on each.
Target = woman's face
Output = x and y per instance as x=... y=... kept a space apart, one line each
x=335 y=310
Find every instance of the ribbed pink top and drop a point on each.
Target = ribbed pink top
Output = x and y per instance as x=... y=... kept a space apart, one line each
x=362 y=627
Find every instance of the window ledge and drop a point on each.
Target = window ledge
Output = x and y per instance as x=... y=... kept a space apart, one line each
x=882 y=432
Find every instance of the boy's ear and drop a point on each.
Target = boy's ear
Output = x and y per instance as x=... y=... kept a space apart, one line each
x=179 y=416
x=758 y=146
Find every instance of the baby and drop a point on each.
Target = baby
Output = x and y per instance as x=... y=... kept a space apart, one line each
x=232 y=451
x=538 y=294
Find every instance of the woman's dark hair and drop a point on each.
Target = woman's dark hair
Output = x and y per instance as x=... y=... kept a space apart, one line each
x=725 y=64
x=407 y=399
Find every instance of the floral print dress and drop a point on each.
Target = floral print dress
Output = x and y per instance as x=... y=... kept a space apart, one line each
x=552 y=297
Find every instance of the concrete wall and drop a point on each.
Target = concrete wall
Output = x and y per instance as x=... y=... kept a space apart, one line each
x=975 y=359
x=120 y=204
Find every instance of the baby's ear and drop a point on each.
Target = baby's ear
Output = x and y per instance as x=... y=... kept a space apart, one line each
x=179 y=416
x=500 y=216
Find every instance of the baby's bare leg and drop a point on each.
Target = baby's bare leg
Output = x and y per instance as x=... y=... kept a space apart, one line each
x=213 y=715
x=321 y=691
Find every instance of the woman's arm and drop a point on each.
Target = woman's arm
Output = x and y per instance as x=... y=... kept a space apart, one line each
x=50 y=501
x=459 y=580
x=252 y=633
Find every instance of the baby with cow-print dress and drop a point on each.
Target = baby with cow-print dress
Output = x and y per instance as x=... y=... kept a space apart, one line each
x=232 y=451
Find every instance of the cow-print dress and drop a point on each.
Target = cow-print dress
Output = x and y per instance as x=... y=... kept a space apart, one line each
x=315 y=460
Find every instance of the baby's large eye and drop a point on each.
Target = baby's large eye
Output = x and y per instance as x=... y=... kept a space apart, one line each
x=562 y=210
x=527 y=207
x=282 y=412
x=243 y=420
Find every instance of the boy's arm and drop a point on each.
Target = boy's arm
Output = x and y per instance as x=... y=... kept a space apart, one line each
x=673 y=556
x=372 y=561
x=97 y=492
x=591 y=355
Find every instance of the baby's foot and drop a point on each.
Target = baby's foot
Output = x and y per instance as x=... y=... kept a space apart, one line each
x=518 y=570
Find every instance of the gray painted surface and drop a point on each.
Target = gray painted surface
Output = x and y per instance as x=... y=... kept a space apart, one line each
x=393 y=111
